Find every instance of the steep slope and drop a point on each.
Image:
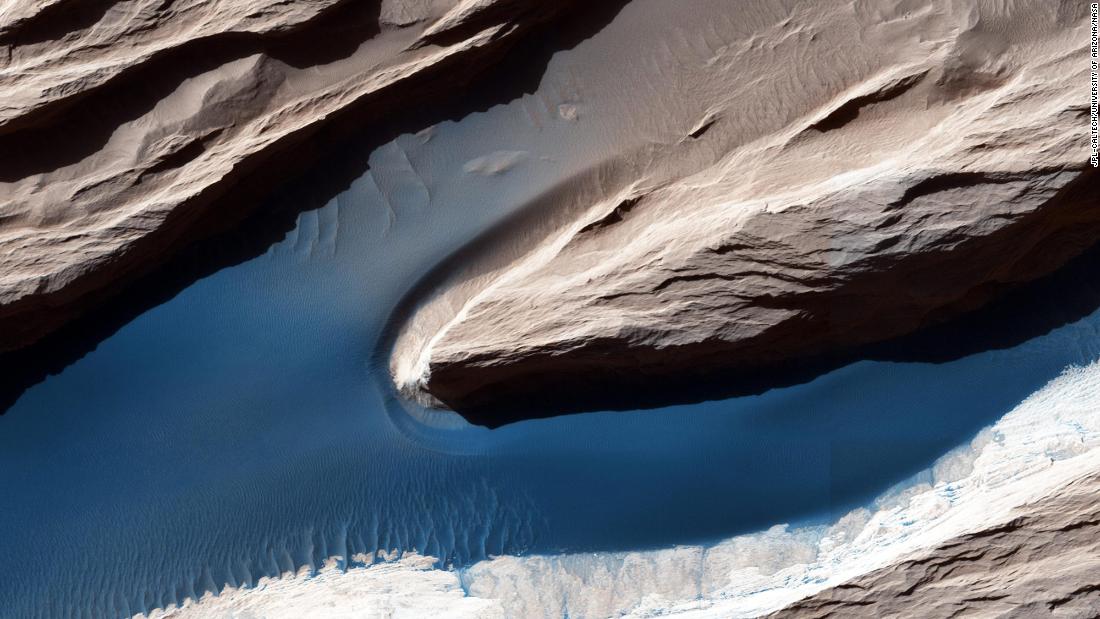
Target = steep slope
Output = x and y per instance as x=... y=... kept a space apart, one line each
x=832 y=195
x=130 y=127
x=1041 y=563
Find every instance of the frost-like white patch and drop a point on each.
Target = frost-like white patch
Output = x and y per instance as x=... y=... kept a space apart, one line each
x=1044 y=443
x=568 y=111
x=406 y=588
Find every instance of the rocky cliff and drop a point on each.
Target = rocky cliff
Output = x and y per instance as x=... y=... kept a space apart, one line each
x=841 y=174
x=129 y=128
x=830 y=195
x=1041 y=563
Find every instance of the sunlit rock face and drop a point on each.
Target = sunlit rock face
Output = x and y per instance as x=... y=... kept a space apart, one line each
x=692 y=191
x=1040 y=563
x=798 y=193
x=129 y=128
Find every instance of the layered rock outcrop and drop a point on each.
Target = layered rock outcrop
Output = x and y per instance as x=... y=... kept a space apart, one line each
x=130 y=127
x=833 y=195
x=1041 y=563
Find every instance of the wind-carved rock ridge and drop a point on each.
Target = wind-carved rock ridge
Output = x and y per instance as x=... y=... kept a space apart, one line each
x=129 y=128
x=905 y=192
x=1040 y=563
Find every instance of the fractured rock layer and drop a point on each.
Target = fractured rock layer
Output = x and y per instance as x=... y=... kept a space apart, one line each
x=832 y=195
x=127 y=127
x=1042 y=563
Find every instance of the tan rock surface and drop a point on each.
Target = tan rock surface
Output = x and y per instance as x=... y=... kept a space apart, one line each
x=1042 y=563
x=126 y=126
x=833 y=194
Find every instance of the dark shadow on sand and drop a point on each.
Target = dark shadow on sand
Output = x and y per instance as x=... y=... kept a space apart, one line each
x=340 y=153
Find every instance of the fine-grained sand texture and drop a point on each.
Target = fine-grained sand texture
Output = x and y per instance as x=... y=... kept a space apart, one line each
x=129 y=127
x=859 y=170
x=760 y=182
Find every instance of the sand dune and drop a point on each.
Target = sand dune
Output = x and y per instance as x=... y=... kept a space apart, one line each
x=749 y=184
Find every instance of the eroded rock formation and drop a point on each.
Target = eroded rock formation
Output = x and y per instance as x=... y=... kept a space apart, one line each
x=1041 y=563
x=833 y=194
x=130 y=127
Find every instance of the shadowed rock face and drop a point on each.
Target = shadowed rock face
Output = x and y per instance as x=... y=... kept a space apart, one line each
x=129 y=128
x=1042 y=563
x=876 y=192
